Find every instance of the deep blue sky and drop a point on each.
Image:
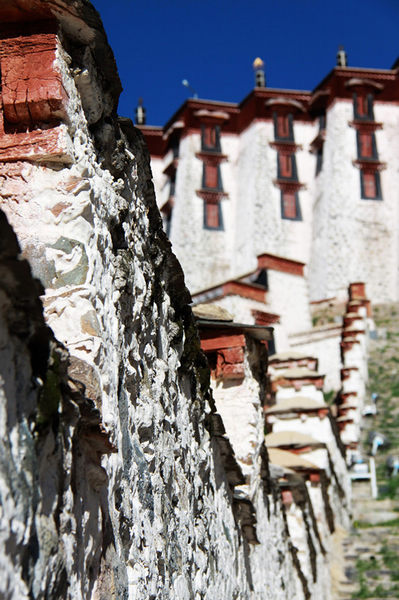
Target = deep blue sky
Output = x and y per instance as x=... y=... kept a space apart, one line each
x=212 y=43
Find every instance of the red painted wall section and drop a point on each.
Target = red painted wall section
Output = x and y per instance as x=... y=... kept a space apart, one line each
x=357 y=291
x=230 y=363
x=278 y=263
x=34 y=100
x=32 y=90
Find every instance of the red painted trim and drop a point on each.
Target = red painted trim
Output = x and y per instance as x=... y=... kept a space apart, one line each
x=299 y=382
x=154 y=138
x=264 y=318
x=289 y=186
x=253 y=107
x=211 y=196
x=285 y=147
x=245 y=290
x=212 y=158
x=218 y=342
x=369 y=166
x=365 y=126
x=278 y=263
x=357 y=290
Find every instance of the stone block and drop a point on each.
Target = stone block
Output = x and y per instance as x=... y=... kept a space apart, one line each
x=32 y=89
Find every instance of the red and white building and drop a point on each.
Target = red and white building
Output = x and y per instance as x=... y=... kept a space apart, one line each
x=306 y=176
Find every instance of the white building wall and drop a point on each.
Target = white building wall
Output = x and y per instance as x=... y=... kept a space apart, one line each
x=288 y=297
x=326 y=348
x=354 y=239
x=204 y=253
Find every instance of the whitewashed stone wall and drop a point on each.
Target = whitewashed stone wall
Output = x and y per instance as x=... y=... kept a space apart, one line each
x=324 y=344
x=111 y=484
x=354 y=239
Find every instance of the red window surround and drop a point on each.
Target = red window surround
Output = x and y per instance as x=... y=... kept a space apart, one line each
x=285 y=165
x=283 y=126
x=361 y=105
x=369 y=185
x=366 y=145
x=212 y=218
x=210 y=136
x=211 y=178
x=289 y=205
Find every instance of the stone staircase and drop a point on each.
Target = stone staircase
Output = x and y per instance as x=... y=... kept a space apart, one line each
x=369 y=564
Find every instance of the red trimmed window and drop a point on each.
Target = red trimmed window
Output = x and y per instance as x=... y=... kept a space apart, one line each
x=369 y=181
x=289 y=205
x=366 y=149
x=212 y=215
x=285 y=165
x=283 y=126
x=211 y=176
x=211 y=138
x=361 y=106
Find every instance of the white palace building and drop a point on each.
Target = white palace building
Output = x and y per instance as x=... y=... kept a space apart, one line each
x=276 y=204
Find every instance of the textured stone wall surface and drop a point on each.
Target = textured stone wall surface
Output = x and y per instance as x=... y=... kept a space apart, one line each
x=115 y=480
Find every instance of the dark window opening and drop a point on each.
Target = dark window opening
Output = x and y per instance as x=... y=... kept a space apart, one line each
x=370 y=185
x=262 y=279
x=210 y=138
x=271 y=346
x=319 y=160
x=175 y=148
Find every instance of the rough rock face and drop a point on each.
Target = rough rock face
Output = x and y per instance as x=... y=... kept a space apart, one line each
x=118 y=478
x=113 y=482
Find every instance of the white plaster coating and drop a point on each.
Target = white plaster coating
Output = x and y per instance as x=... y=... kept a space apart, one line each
x=354 y=239
x=154 y=519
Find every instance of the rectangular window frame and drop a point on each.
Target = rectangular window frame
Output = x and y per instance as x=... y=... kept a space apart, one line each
x=210 y=148
x=374 y=153
x=369 y=116
x=378 y=195
x=220 y=226
x=219 y=186
x=294 y=174
x=290 y=136
x=298 y=216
